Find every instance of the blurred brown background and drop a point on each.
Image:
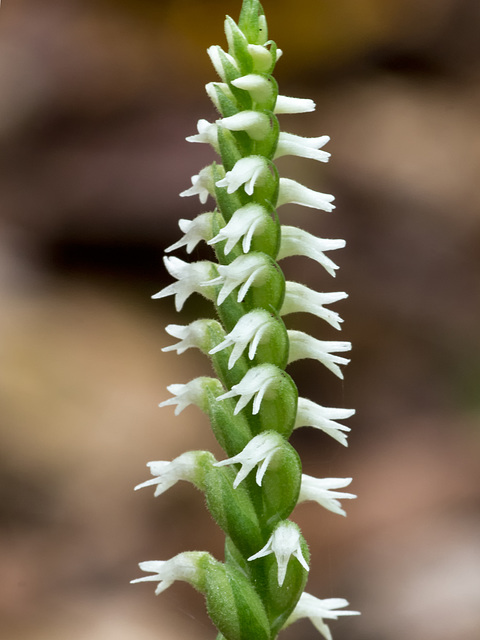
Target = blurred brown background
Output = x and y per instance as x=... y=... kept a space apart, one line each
x=96 y=98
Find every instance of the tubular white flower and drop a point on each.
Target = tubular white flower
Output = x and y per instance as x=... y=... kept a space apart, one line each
x=192 y=392
x=247 y=171
x=255 y=123
x=196 y=230
x=297 y=242
x=192 y=335
x=292 y=145
x=245 y=222
x=259 y=451
x=202 y=185
x=190 y=278
x=257 y=382
x=310 y=414
x=249 y=330
x=216 y=53
x=322 y=491
x=246 y=270
x=284 y=543
x=259 y=87
x=167 y=473
x=304 y=346
x=293 y=105
x=299 y=298
x=207 y=132
x=292 y=192
x=262 y=57
x=181 y=567
x=317 y=610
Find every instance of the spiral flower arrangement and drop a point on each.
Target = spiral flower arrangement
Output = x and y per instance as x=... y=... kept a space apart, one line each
x=253 y=403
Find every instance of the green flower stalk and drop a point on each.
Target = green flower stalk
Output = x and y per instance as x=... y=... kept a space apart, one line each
x=252 y=403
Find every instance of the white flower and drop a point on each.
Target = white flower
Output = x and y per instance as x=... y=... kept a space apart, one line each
x=299 y=298
x=250 y=329
x=246 y=270
x=317 y=610
x=202 y=185
x=212 y=89
x=168 y=473
x=262 y=57
x=257 y=382
x=304 y=346
x=196 y=230
x=291 y=191
x=310 y=414
x=192 y=392
x=190 y=278
x=321 y=490
x=245 y=222
x=259 y=451
x=284 y=543
x=297 y=242
x=220 y=59
x=207 y=132
x=292 y=145
x=183 y=566
x=247 y=171
x=255 y=123
x=191 y=335
x=293 y=105
x=259 y=87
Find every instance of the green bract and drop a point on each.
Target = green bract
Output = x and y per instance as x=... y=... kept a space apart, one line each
x=253 y=404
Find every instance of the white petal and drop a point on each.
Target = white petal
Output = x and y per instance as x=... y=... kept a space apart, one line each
x=211 y=89
x=190 y=279
x=256 y=124
x=247 y=171
x=262 y=57
x=259 y=87
x=207 y=132
x=301 y=299
x=297 y=242
x=260 y=448
x=292 y=145
x=192 y=392
x=293 y=192
x=193 y=335
x=202 y=185
x=322 y=491
x=215 y=53
x=168 y=473
x=246 y=270
x=196 y=230
x=181 y=567
x=310 y=414
x=285 y=104
x=310 y=607
x=257 y=382
x=304 y=346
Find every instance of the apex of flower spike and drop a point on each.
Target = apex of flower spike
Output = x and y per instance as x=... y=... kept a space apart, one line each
x=318 y=610
x=256 y=383
x=168 y=473
x=196 y=230
x=190 y=278
x=255 y=123
x=284 y=543
x=202 y=185
x=310 y=414
x=292 y=192
x=304 y=346
x=247 y=171
x=184 y=566
x=249 y=330
x=192 y=392
x=259 y=451
x=246 y=270
x=322 y=491
x=245 y=223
